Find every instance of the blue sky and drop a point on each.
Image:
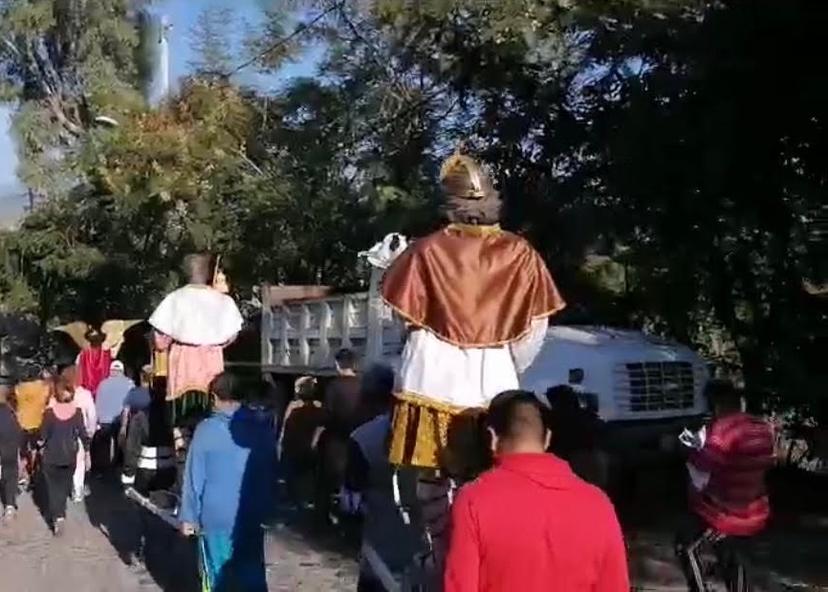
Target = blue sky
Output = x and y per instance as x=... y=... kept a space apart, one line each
x=182 y=15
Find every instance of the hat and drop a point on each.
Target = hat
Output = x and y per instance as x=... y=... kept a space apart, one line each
x=116 y=366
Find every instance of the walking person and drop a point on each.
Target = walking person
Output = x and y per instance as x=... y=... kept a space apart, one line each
x=344 y=411
x=530 y=524
x=109 y=405
x=138 y=399
x=11 y=436
x=32 y=398
x=369 y=486
x=303 y=416
x=149 y=456
x=228 y=492
x=64 y=436
x=728 y=496
x=67 y=378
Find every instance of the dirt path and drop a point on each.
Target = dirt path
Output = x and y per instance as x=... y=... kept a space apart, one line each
x=94 y=554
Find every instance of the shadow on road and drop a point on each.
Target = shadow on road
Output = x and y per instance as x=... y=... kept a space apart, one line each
x=168 y=558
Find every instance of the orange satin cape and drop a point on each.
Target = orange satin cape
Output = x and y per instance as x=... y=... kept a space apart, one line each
x=472 y=286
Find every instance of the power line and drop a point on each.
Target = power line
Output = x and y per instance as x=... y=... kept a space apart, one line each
x=300 y=29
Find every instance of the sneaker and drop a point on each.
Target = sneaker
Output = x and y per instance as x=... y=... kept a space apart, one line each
x=57 y=529
x=10 y=513
x=77 y=498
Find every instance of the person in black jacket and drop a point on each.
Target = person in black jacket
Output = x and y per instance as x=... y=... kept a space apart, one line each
x=149 y=457
x=60 y=432
x=11 y=436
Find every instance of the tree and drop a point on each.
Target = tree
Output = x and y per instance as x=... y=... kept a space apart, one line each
x=210 y=40
x=66 y=62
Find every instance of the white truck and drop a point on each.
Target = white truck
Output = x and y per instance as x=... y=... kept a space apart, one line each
x=644 y=388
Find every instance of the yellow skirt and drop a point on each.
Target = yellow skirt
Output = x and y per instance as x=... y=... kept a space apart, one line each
x=428 y=434
x=159 y=363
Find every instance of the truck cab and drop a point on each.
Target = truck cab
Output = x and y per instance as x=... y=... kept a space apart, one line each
x=645 y=389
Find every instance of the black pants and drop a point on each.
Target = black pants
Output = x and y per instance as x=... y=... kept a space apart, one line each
x=58 y=481
x=697 y=539
x=105 y=447
x=425 y=496
x=8 y=478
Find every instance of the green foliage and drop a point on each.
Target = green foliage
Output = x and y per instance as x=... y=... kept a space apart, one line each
x=664 y=156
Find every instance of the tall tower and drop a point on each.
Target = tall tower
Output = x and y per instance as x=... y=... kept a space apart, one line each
x=154 y=55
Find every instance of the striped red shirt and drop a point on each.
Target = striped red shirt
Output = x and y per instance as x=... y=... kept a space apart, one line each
x=737 y=454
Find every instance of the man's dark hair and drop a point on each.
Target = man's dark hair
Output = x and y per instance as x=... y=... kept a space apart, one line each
x=378 y=383
x=224 y=387
x=723 y=393
x=562 y=397
x=517 y=414
x=345 y=359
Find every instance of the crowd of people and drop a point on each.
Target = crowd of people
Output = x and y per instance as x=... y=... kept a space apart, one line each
x=53 y=427
x=537 y=516
x=458 y=480
x=331 y=447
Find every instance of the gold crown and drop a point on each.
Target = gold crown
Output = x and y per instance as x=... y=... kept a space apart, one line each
x=457 y=164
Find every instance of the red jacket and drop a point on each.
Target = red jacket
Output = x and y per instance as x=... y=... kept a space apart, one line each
x=737 y=453
x=531 y=525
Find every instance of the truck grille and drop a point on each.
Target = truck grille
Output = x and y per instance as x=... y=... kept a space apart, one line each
x=655 y=386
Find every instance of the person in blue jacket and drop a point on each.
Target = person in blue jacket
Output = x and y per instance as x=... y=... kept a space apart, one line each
x=228 y=492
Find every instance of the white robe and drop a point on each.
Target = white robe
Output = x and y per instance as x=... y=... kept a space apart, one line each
x=465 y=377
x=197 y=315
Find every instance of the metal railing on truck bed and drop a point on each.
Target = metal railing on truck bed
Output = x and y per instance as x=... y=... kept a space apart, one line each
x=301 y=333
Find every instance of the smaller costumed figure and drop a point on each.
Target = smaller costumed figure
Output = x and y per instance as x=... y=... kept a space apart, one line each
x=192 y=326
x=93 y=361
x=99 y=347
x=476 y=300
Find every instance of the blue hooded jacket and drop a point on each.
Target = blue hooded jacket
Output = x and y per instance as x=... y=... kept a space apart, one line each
x=230 y=472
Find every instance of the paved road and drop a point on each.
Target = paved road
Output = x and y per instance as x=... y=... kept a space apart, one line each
x=94 y=554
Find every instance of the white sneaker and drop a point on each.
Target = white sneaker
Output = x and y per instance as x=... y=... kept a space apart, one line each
x=57 y=530
x=10 y=513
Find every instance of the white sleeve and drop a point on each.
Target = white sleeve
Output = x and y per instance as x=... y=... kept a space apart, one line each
x=527 y=347
x=698 y=478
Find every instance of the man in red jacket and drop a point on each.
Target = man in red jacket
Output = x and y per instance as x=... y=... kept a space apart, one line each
x=530 y=524
x=728 y=496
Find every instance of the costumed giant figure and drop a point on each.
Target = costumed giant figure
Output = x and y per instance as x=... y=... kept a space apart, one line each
x=476 y=300
x=193 y=325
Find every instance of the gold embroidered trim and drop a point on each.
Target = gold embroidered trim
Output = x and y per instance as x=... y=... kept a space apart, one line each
x=187 y=389
x=423 y=401
x=474 y=229
x=420 y=431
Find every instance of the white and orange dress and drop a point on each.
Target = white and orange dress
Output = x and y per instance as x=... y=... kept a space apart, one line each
x=477 y=301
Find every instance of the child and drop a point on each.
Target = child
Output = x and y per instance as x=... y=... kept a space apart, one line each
x=63 y=426
x=10 y=438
